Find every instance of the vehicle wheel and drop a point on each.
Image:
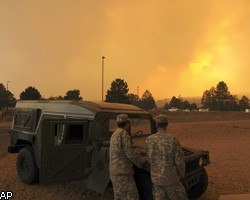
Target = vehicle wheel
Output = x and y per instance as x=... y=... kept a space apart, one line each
x=26 y=166
x=197 y=190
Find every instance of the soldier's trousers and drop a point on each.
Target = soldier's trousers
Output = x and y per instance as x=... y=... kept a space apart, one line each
x=124 y=187
x=171 y=192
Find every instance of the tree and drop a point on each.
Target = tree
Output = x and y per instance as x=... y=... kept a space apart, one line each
x=208 y=99
x=219 y=98
x=30 y=93
x=73 y=95
x=193 y=106
x=118 y=92
x=52 y=98
x=243 y=103
x=59 y=97
x=185 y=105
x=175 y=102
x=231 y=103
x=7 y=99
x=180 y=104
x=56 y=98
x=3 y=96
x=222 y=96
x=134 y=99
x=166 y=106
x=147 y=101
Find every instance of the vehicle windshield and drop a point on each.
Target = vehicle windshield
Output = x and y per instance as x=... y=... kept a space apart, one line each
x=139 y=126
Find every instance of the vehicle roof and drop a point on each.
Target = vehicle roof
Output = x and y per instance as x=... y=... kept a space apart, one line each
x=78 y=107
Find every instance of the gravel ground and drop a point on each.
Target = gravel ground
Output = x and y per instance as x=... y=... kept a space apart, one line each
x=229 y=171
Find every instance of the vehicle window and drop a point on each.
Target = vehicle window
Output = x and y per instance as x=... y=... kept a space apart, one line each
x=22 y=120
x=139 y=126
x=58 y=133
x=68 y=134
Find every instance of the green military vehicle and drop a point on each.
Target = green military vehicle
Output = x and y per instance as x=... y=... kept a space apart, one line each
x=69 y=140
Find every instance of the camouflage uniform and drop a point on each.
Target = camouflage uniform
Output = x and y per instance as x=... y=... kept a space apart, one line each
x=167 y=163
x=122 y=157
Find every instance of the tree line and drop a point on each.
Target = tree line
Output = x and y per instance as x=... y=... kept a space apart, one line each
x=219 y=98
x=118 y=93
x=216 y=98
x=180 y=104
x=7 y=99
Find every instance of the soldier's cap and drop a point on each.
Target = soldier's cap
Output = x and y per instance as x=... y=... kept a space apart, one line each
x=161 y=119
x=122 y=118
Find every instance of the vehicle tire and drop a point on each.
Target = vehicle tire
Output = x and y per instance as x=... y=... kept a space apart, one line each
x=197 y=190
x=27 y=169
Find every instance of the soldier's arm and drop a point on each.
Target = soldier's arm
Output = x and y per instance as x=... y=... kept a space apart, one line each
x=148 y=154
x=179 y=158
x=130 y=150
x=148 y=150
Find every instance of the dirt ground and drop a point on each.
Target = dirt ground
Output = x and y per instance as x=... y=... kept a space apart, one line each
x=229 y=172
x=228 y=143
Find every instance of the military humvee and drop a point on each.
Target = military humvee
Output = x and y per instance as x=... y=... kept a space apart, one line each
x=69 y=140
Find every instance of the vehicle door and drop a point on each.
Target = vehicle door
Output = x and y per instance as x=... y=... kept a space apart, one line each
x=64 y=153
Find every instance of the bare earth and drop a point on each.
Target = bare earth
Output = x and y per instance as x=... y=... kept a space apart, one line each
x=229 y=172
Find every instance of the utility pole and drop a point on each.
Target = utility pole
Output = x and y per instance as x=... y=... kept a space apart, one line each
x=7 y=85
x=102 y=75
x=7 y=89
x=138 y=91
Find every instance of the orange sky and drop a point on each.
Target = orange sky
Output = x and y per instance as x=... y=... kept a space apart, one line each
x=180 y=47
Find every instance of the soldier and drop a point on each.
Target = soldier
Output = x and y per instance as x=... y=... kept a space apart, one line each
x=122 y=157
x=167 y=163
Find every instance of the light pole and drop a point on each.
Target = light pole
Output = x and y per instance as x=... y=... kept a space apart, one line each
x=7 y=107
x=7 y=85
x=102 y=75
